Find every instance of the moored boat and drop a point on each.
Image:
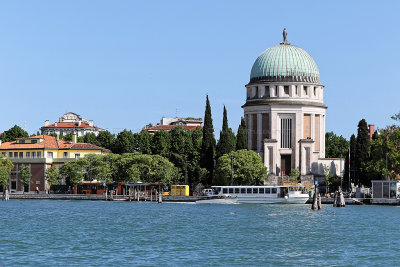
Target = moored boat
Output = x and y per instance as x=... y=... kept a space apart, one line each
x=265 y=194
x=218 y=199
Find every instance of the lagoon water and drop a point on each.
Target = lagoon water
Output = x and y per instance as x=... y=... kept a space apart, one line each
x=78 y=233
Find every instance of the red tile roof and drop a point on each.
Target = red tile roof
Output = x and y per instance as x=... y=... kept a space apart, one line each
x=69 y=125
x=50 y=142
x=169 y=127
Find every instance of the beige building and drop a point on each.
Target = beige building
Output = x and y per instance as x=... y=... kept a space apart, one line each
x=285 y=112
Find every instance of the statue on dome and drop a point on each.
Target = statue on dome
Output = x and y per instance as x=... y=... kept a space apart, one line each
x=284 y=37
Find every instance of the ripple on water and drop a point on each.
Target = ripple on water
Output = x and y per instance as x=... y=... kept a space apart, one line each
x=128 y=233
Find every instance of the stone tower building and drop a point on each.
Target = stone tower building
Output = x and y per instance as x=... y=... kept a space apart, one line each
x=285 y=111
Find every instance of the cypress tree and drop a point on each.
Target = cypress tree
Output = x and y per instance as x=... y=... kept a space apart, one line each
x=362 y=151
x=226 y=142
x=241 y=142
x=208 y=144
x=353 y=145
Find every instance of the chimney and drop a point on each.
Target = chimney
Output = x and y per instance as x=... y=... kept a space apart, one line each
x=74 y=138
x=91 y=123
x=371 y=129
x=79 y=123
x=58 y=137
x=55 y=124
x=46 y=123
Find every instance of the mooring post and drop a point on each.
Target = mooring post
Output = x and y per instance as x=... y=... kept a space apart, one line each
x=342 y=202
x=319 y=202
x=314 y=204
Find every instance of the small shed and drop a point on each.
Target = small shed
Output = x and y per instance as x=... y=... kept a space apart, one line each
x=385 y=189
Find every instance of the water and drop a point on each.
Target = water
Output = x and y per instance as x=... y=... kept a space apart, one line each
x=76 y=233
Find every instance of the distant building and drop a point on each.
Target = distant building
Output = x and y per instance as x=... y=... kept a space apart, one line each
x=40 y=153
x=167 y=124
x=70 y=123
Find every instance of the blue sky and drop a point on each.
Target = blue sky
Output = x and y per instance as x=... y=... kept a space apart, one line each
x=125 y=64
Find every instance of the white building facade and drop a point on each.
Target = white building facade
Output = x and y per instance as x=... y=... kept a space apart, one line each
x=70 y=123
x=285 y=111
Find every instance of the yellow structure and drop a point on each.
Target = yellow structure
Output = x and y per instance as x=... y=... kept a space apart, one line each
x=179 y=190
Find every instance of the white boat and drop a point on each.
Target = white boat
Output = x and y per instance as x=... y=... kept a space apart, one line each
x=265 y=194
x=218 y=199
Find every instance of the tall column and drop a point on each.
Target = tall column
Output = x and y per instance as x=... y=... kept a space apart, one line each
x=259 y=132
x=266 y=156
x=249 y=130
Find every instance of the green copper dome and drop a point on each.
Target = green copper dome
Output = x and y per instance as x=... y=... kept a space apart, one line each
x=284 y=62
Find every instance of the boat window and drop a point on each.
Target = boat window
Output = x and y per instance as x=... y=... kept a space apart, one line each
x=237 y=190
x=261 y=191
x=225 y=190
x=255 y=190
x=274 y=190
x=230 y=190
x=243 y=190
x=248 y=190
x=267 y=190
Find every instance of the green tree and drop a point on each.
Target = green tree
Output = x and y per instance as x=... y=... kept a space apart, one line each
x=375 y=167
x=73 y=171
x=352 y=161
x=391 y=146
x=106 y=140
x=125 y=142
x=335 y=146
x=145 y=142
x=13 y=133
x=178 y=140
x=112 y=162
x=248 y=168
x=227 y=140
x=52 y=175
x=241 y=142
x=208 y=144
x=161 y=143
x=362 y=152
x=67 y=137
x=98 y=168
x=5 y=170
x=91 y=139
x=294 y=175
x=25 y=175
x=148 y=168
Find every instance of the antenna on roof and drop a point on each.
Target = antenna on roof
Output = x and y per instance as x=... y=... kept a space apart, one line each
x=24 y=125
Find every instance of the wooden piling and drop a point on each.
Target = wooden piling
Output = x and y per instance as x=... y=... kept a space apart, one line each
x=319 y=202
x=314 y=205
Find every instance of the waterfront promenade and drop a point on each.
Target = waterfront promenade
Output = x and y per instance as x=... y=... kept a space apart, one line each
x=325 y=201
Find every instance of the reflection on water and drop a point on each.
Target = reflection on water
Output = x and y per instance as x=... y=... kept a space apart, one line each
x=129 y=233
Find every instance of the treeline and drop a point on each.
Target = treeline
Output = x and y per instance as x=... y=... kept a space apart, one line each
x=373 y=158
x=129 y=167
x=184 y=156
